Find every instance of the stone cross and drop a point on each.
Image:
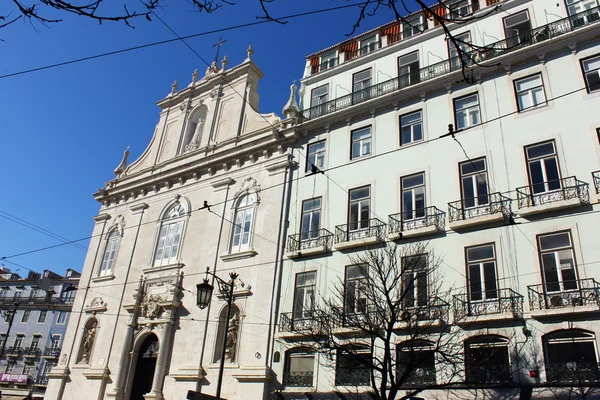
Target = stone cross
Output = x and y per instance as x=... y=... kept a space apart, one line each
x=218 y=46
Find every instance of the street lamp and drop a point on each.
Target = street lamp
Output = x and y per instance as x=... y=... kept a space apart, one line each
x=204 y=292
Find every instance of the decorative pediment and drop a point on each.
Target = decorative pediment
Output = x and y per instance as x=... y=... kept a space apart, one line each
x=96 y=305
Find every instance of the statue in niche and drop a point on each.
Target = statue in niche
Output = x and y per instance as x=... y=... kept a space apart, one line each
x=88 y=344
x=232 y=337
x=195 y=142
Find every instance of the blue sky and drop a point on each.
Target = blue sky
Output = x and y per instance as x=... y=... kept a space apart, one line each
x=63 y=130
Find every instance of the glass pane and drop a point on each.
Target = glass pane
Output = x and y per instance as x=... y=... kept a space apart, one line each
x=407 y=134
x=356 y=149
x=360 y=134
x=461 y=119
x=555 y=240
x=489 y=271
x=591 y=64
x=413 y=180
x=528 y=83
x=551 y=167
x=360 y=193
x=310 y=205
x=410 y=118
x=524 y=100
x=550 y=272
x=516 y=19
x=475 y=287
x=418 y=134
x=540 y=150
x=468 y=193
x=353 y=218
x=466 y=102
x=539 y=96
x=407 y=204
x=536 y=177
x=480 y=253
x=472 y=166
x=301 y=363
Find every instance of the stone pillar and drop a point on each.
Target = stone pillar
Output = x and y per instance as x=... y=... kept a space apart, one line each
x=163 y=357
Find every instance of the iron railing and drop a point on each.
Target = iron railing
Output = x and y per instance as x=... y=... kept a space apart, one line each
x=421 y=218
x=32 y=352
x=51 y=352
x=479 y=55
x=352 y=377
x=572 y=372
x=435 y=309
x=37 y=300
x=553 y=191
x=308 y=240
x=14 y=351
x=554 y=295
x=596 y=176
x=494 y=203
x=359 y=230
x=488 y=374
x=308 y=321
x=507 y=300
x=41 y=380
x=419 y=376
x=341 y=317
x=295 y=379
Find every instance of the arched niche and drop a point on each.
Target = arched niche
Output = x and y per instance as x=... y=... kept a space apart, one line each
x=194 y=128
x=231 y=336
x=87 y=341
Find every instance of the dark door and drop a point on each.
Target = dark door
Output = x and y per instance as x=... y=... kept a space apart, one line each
x=144 y=368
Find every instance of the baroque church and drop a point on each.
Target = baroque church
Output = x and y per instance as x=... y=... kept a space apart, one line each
x=192 y=202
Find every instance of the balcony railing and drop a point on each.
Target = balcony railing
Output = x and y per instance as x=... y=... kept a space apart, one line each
x=573 y=372
x=419 y=376
x=14 y=351
x=308 y=322
x=51 y=352
x=41 y=380
x=488 y=374
x=596 y=176
x=550 y=296
x=481 y=54
x=436 y=309
x=507 y=300
x=341 y=317
x=32 y=352
x=494 y=203
x=422 y=218
x=295 y=379
x=359 y=230
x=352 y=377
x=309 y=240
x=553 y=191
x=38 y=300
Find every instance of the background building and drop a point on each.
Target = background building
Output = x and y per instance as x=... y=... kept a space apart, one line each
x=511 y=204
x=36 y=311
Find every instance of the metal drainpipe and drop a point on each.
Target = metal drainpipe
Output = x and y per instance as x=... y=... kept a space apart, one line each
x=198 y=384
x=137 y=233
x=61 y=390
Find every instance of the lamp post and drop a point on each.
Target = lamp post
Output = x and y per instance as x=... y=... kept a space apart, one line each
x=203 y=295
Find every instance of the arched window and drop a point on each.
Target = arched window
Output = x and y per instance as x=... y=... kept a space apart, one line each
x=416 y=363
x=244 y=214
x=231 y=336
x=571 y=357
x=486 y=360
x=193 y=131
x=110 y=252
x=169 y=236
x=299 y=368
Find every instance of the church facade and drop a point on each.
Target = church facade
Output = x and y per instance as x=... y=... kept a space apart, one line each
x=194 y=200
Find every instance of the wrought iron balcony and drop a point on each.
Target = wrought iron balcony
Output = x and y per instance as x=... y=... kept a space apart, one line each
x=37 y=300
x=481 y=209
x=41 y=380
x=596 y=176
x=14 y=351
x=51 y=352
x=563 y=192
x=506 y=301
x=557 y=295
x=424 y=220
x=32 y=352
x=355 y=231
x=436 y=309
x=308 y=322
x=488 y=374
x=572 y=372
x=419 y=376
x=295 y=379
x=309 y=242
x=352 y=377
x=344 y=318
x=480 y=55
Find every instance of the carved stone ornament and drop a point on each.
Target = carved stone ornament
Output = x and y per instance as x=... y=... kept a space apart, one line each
x=249 y=53
x=291 y=109
x=248 y=186
x=96 y=305
x=123 y=165
x=151 y=307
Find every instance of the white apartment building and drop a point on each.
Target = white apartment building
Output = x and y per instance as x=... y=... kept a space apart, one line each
x=511 y=205
x=205 y=192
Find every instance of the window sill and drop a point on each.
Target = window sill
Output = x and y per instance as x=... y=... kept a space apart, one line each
x=238 y=256
x=161 y=268
x=103 y=278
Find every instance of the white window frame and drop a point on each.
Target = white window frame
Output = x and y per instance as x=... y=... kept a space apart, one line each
x=170 y=235
x=111 y=247
x=311 y=214
x=368 y=45
x=328 y=60
x=319 y=95
x=243 y=223
x=62 y=314
x=304 y=310
x=26 y=313
x=515 y=36
x=530 y=93
x=556 y=251
x=365 y=143
x=413 y=192
x=472 y=113
x=356 y=302
x=35 y=342
x=412 y=26
x=55 y=341
x=413 y=276
x=475 y=177
x=547 y=185
x=480 y=264
x=408 y=69
x=587 y=71
x=453 y=53
x=316 y=157
x=361 y=203
x=19 y=340
x=45 y=314
x=411 y=124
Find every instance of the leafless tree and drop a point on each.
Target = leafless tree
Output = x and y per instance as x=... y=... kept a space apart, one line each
x=386 y=324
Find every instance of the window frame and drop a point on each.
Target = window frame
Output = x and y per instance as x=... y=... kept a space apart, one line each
x=41 y=320
x=518 y=35
x=415 y=285
x=25 y=317
x=62 y=314
x=416 y=212
x=312 y=233
x=367 y=140
x=174 y=225
x=412 y=125
x=556 y=250
x=304 y=313
x=451 y=47
x=412 y=74
x=245 y=209
x=359 y=222
x=473 y=175
x=324 y=61
x=320 y=97
x=468 y=114
x=484 y=293
x=530 y=93
x=358 y=295
x=372 y=44
x=109 y=255
x=299 y=352
x=542 y=161
x=362 y=94
x=582 y=62
x=317 y=154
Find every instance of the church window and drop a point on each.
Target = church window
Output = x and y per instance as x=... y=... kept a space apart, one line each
x=242 y=227
x=169 y=237
x=110 y=253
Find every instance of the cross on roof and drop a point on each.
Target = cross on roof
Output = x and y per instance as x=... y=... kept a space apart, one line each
x=218 y=46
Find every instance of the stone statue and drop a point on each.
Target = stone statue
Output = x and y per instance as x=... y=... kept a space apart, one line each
x=88 y=343
x=249 y=53
x=231 y=338
x=151 y=308
x=212 y=69
x=195 y=142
